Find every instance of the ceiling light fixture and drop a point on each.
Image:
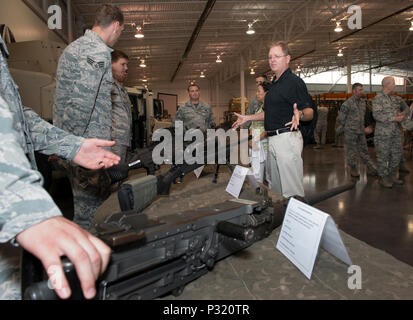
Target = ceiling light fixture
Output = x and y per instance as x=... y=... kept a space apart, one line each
x=202 y=75
x=218 y=59
x=144 y=80
x=411 y=27
x=338 y=27
x=340 y=53
x=143 y=64
x=252 y=71
x=250 y=29
x=299 y=69
x=139 y=33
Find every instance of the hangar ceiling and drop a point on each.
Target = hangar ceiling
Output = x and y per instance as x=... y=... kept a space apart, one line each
x=183 y=38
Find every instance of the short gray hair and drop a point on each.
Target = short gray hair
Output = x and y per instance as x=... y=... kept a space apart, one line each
x=283 y=45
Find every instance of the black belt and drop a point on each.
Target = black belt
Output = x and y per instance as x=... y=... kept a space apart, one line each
x=279 y=131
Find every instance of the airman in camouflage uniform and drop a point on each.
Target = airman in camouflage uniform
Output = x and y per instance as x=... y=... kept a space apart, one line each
x=25 y=206
x=195 y=114
x=121 y=106
x=320 y=131
x=83 y=103
x=388 y=111
x=338 y=133
x=254 y=104
x=23 y=201
x=351 y=117
x=407 y=124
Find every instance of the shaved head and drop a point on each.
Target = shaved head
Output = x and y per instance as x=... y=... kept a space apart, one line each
x=387 y=81
x=388 y=84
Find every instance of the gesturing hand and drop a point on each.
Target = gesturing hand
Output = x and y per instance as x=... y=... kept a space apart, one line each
x=92 y=156
x=240 y=121
x=295 y=122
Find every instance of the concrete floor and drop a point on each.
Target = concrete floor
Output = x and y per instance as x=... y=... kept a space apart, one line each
x=383 y=218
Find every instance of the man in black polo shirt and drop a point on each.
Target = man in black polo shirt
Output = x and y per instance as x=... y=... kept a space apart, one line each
x=285 y=105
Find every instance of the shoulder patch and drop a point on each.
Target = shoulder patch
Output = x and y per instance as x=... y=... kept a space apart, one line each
x=94 y=64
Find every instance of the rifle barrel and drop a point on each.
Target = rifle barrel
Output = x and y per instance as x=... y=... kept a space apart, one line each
x=321 y=196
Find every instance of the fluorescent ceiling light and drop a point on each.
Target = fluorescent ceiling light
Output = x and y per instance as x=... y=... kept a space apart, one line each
x=250 y=29
x=139 y=34
x=338 y=27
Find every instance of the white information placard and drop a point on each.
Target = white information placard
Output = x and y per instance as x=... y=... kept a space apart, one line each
x=198 y=171
x=237 y=180
x=332 y=242
x=303 y=230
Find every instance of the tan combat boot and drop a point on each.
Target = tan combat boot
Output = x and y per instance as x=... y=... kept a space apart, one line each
x=386 y=182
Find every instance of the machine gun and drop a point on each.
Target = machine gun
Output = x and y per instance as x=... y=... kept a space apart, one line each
x=142 y=158
x=154 y=257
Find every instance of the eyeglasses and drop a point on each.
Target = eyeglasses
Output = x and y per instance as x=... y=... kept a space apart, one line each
x=276 y=57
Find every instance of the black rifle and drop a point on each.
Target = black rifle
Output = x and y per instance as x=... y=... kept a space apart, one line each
x=143 y=159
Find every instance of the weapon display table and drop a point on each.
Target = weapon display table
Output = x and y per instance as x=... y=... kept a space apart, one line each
x=262 y=272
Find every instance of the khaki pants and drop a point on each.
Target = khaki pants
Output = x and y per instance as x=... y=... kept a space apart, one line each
x=286 y=163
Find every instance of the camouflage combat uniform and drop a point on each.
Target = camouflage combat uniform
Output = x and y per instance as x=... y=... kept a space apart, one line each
x=253 y=106
x=121 y=120
x=195 y=117
x=388 y=132
x=351 y=117
x=83 y=107
x=23 y=201
x=320 y=131
x=338 y=133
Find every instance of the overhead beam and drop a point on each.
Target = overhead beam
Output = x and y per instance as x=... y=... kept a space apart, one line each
x=208 y=8
x=373 y=23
